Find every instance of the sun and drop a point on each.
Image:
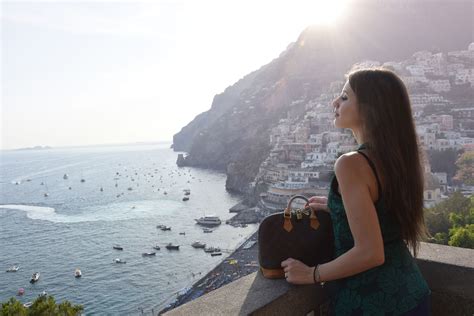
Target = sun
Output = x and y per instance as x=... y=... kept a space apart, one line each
x=322 y=12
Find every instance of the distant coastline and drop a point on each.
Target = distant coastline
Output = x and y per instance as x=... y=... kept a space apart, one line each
x=34 y=148
x=90 y=146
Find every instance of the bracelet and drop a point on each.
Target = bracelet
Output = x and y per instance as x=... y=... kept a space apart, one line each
x=316 y=276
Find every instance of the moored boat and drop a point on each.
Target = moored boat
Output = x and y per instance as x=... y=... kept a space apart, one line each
x=170 y=246
x=35 y=277
x=198 y=244
x=208 y=221
x=156 y=247
x=117 y=247
x=13 y=268
x=77 y=273
x=148 y=254
x=212 y=249
x=118 y=260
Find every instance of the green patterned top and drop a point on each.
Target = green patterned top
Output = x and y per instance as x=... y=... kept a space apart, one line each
x=393 y=288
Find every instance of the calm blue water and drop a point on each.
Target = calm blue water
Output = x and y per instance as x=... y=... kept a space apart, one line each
x=77 y=227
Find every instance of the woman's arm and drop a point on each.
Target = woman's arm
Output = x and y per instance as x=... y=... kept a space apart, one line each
x=353 y=174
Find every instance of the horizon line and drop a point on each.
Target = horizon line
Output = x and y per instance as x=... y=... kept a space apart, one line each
x=47 y=147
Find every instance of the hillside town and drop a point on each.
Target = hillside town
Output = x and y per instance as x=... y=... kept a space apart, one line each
x=304 y=149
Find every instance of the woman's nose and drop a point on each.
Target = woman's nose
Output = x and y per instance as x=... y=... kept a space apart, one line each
x=334 y=103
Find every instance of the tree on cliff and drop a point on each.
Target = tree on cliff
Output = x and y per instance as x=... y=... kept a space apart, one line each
x=452 y=221
x=43 y=305
x=465 y=165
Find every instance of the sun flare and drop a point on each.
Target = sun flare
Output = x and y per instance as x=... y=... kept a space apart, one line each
x=322 y=12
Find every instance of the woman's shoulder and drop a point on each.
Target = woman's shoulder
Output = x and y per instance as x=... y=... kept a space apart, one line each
x=351 y=163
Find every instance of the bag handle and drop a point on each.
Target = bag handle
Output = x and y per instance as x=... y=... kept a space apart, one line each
x=314 y=222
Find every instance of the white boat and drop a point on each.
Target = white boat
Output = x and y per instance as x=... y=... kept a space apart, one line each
x=13 y=268
x=65 y=177
x=148 y=254
x=212 y=249
x=118 y=260
x=35 y=277
x=78 y=273
x=209 y=221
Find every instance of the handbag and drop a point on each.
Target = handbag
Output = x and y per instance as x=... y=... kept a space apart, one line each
x=302 y=234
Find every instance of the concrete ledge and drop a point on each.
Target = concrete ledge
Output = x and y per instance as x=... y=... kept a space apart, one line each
x=449 y=272
x=253 y=294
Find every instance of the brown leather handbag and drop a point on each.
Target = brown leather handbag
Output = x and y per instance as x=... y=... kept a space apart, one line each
x=302 y=234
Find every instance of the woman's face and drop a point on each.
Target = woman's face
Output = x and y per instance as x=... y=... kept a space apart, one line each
x=346 y=112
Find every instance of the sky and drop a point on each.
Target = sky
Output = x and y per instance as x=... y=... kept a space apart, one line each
x=102 y=72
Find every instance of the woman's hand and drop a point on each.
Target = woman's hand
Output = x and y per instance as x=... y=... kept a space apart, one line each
x=318 y=203
x=297 y=272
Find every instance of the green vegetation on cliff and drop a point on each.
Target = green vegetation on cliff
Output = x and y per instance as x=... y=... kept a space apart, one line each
x=43 y=305
x=451 y=222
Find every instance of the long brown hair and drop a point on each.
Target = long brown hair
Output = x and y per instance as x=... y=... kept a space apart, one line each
x=389 y=132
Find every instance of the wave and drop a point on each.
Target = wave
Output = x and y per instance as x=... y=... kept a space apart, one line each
x=109 y=212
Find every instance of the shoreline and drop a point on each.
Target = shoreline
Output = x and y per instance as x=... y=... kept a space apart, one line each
x=241 y=262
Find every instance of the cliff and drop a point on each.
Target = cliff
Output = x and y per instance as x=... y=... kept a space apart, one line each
x=233 y=136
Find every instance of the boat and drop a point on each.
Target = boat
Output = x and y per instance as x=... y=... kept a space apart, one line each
x=207 y=230
x=77 y=273
x=170 y=246
x=43 y=294
x=216 y=254
x=187 y=192
x=198 y=244
x=35 y=277
x=157 y=247
x=13 y=268
x=27 y=305
x=148 y=254
x=163 y=228
x=65 y=177
x=117 y=247
x=118 y=260
x=21 y=291
x=83 y=180
x=208 y=221
x=182 y=233
x=185 y=198
x=212 y=249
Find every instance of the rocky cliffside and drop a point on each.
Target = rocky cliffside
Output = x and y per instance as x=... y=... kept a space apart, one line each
x=233 y=136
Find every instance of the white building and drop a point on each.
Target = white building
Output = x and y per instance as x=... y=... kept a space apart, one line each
x=441 y=85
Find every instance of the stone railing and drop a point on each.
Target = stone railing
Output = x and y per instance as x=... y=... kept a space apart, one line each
x=449 y=272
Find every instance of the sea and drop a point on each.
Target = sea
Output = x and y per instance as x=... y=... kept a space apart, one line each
x=64 y=209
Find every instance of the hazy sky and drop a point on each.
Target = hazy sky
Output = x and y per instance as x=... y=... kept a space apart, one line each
x=93 y=72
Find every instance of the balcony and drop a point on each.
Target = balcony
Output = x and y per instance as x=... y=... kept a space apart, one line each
x=449 y=272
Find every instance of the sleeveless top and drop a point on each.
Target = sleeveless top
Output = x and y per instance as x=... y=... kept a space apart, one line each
x=393 y=288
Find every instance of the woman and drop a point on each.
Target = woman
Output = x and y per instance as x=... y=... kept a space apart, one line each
x=376 y=204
